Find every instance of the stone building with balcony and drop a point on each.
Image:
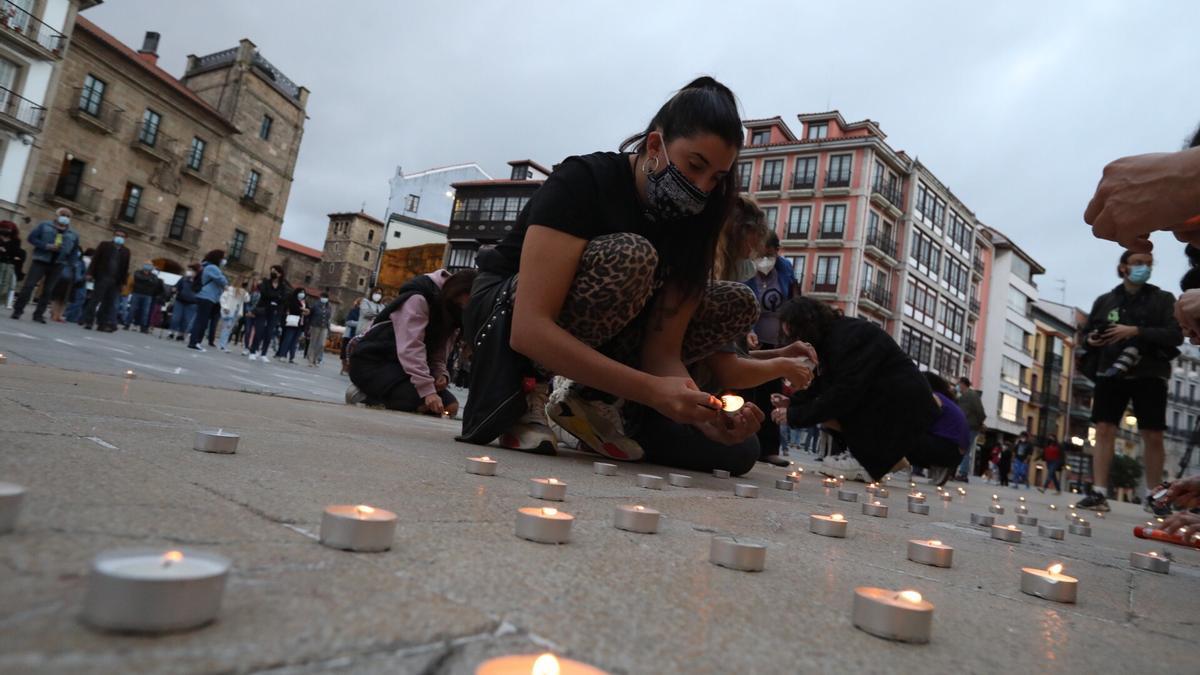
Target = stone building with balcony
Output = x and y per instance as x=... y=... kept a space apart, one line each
x=485 y=210
x=350 y=260
x=872 y=231
x=34 y=40
x=301 y=264
x=184 y=166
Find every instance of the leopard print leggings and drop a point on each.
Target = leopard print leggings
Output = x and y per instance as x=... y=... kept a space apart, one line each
x=610 y=300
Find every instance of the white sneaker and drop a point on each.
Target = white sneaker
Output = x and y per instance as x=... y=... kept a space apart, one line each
x=532 y=432
x=843 y=465
x=354 y=395
x=265 y=359
x=596 y=424
x=253 y=357
x=245 y=352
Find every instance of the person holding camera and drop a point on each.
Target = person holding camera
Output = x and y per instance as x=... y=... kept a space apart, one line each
x=1140 y=315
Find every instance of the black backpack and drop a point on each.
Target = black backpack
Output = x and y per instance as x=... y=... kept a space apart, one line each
x=197 y=281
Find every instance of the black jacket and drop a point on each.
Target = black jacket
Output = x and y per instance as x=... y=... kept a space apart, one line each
x=146 y=283
x=272 y=297
x=12 y=253
x=1153 y=311
x=874 y=391
x=101 y=260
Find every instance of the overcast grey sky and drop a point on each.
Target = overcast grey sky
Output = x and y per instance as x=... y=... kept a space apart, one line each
x=1015 y=105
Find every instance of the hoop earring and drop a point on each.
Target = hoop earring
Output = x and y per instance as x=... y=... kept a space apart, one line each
x=647 y=169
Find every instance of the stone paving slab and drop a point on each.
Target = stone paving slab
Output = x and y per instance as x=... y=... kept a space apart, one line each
x=108 y=464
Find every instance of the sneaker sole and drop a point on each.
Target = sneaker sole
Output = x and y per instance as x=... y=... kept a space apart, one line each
x=510 y=442
x=580 y=427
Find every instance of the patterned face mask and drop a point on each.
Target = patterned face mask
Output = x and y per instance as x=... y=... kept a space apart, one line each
x=670 y=195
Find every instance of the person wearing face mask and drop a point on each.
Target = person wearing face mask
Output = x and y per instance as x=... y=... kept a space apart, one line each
x=369 y=307
x=295 y=318
x=107 y=272
x=615 y=256
x=273 y=293
x=54 y=243
x=209 y=285
x=183 y=310
x=319 y=319
x=12 y=260
x=399 y=362
x=1135 y=314
x=233 y=299
x=146 y=287
x=972 y=406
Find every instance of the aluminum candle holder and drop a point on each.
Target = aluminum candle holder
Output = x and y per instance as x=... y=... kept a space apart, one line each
x=549 y=489
x=720 y=473
x=917 y=498
x=847 y=496
x=650 y=481
x=996 y=509
x=1151 y=562
x=641 y=519
x=1021 y=509
x=930 y=552
x=881 y=492
x=220 y=442
x=828 y=526
x=481 y=466
x=904 y=616
x=360 y=528
x=130 y=375
x=11 y=496
x=742 y=555
x=795 y=476
x=784 y=484
x=1080 y=528
x=875 y=509
x=745 y=490
x=1049 y=584
x=919 y=508
x=982 y=520
x=679 y=480
x=544 y=525
x=947 y=497
x=1023 y=519
x=1052 y=532
x=1008 y=533
x=3 y=359
x=604 y=468
x=148 y=590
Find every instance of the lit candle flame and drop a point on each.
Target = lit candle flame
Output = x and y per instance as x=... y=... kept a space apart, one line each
x=912 y=484
x=995 y=498
x=878 y=503
x=639 y=508
x=364 y=510
x=934 y=542
x=1056 y=568
x=920 y=495
x=485 y=458
x=545 y=664
x=1153 y=554
x=129 y=372
x=1012 y=527
x=171 y=557
x=1021 y=498
x=1053 y=507
x=732 y=402
x=549 y=511
x=840 y=477
x=836 y=516
x=910 y=596
x=552 y=481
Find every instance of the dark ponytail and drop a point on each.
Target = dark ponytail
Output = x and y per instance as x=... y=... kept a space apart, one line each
x=704 y=105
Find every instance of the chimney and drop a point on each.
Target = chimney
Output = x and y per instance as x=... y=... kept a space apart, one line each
x=149 y=50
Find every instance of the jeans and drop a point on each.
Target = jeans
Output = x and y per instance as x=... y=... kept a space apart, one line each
x=103 y=301
x=200 y=325
x=38 y=270
x=264 y=330
x=1020 y=473
x=75 y=309
x=182 y=317
x=1052 y=475
x=287 y=343
x=139 y=311
x=964 y=467
x=228 y=321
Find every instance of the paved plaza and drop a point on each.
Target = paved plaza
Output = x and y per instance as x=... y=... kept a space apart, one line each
x=107 y=464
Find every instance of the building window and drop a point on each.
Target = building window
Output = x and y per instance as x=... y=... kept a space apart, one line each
x=798 y=221
x=412 y=203
x=805 y=177
x=1009 y=408
x=772 y=174
x=521 y=172
x=366 y=256
x=178 y=222
x=71 y=179
x=308 y=278
x=370 y=235
x=130 y=203
x=461 y=258
x=252 y=184
x=828 y=270
x=91 y=96
x=818 y=131
x=770 y=217
x=264 y=129
x=1011 y=372
x=798 y=263
x=1018 y=301
x=833 y=221
x=744 y=170
x=839 y=171
x=361 y=282
x=195 y=158
x=237 y=246
x=760 y=137
x=148 y=134
x=396 y=234
x=1015 y=337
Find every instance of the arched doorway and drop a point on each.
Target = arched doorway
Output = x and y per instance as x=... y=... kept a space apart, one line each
x=168 y=265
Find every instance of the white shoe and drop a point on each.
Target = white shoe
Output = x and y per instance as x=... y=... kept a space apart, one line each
x=265 y=358
x=595 y=423
x=253 y=357
x=245 y=352
x=532 y=432
x=354 y=396
x=843 y=465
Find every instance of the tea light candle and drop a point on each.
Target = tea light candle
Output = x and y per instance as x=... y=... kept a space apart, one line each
x=649 y=481
x=481 y=466
x=827 y=526
x=604 y=468
x=1052 y=532
x=11 y=496
x=1008 y=533
x=1021 y=508
x=1151 y=562
x=679 y=480
x=153 y=591
x=1081 y=528
x=847 y=496
x=1050 y=584
x=930 y=552
x=946 y=497
x=220 y=442
x=550 y=489
x=1023 y=519
x=919 y=508
x=795 y=476
x=903 y=616
x=636 y=519
x=732 y=403
x=359 y=528
x=982 y=520
x=1100 y=515
x=962 y=492
x=828 y=483
x=1072 y=516
x=544 y=525
x=871 y=488
x=745 y=490
x=881 y=493
x=876 y=509
x=1053 y=507
x=917 y=498
x=3 y=359
x=130 y=375
x=784 y=484
x=534 y=664
x=996 y=508
x=720 y=473
x=746 y=556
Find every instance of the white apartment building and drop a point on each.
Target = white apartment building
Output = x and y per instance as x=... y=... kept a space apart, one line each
x=429 y=195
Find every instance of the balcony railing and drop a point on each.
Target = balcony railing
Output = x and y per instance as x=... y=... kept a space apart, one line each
x=972 y=347
x=72 y=193
x=243 y=259
x=804 y=182
x=975 y=307
x=831 y=234
x=137 y=220
x=186 y=238
x=878 y=294
x=157 y=144
x=977 y=265
x=823 y=284
x=29 y=30
x=889 y=191
x=882 y=241
x=207 y=171
x=765 y=185
x=258 y=200
x=21 y=113
x=103 y=115
x=837 y=180
x=1050 y=401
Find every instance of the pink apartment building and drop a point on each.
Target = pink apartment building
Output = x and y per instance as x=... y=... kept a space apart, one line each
x=873 y=232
